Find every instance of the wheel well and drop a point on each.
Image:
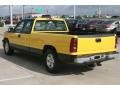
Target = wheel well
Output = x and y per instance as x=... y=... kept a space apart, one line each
x=49 y=47
x=5 y=39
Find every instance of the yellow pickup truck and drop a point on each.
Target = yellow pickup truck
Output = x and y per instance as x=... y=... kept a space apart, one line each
x=51 y=38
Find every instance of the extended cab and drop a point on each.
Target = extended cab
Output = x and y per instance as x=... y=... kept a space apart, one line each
x=51 y=38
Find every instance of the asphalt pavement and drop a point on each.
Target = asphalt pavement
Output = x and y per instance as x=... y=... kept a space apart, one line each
x=27 y=69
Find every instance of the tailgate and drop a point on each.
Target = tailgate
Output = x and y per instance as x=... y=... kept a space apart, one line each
x=95 y=44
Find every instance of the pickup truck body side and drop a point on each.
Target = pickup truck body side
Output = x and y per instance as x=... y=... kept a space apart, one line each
x=83 y=45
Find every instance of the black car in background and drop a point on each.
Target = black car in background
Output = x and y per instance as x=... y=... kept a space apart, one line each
x=87 y=25
x=71 y=24
x=91 y=25
x=81 y=25
x=15 y=21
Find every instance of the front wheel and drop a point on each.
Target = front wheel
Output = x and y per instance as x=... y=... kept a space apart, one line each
x=7 y=49
x=51 y=61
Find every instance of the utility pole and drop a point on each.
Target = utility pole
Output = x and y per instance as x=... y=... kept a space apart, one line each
x=11 y=15
x=47 y=11
x=99 y=11
x=74 y=11
x=22 y=11
x=56 y=13
x=32 y=10
x=9 y=10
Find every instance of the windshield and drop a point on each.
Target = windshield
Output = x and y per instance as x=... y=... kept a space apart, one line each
x=50 y=25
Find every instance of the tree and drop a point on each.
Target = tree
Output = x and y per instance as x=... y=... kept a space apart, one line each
x=64 y=16
x=78 y=17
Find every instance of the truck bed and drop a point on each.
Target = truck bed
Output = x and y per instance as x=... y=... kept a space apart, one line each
x=93 y=43
x=88 y=34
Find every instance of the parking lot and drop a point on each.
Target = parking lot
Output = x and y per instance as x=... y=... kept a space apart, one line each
x=28 y=69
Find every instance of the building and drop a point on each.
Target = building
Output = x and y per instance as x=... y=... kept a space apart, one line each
x=31 y=15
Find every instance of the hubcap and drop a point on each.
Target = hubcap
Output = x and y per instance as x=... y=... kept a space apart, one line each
x=50 y=61
x=6 y=47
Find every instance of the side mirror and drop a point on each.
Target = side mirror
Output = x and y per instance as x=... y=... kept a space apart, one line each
x=10 y=29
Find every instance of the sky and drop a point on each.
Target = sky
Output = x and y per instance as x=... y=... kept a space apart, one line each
x=63 y=9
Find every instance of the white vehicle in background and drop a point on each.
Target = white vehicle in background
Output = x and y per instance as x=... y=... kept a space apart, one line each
x=108 y=26
x=118 y=28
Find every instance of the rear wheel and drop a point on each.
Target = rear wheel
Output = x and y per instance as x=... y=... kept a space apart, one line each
x=92 y=65
x=51 y=61
x=7 y=49
x=114 y=31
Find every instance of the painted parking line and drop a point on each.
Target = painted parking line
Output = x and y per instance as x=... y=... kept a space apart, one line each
x=18 y=78
x=17 y=74
x=2 y=61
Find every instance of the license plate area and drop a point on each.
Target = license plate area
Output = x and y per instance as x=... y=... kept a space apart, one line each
x=97 y=57
x=84 y=29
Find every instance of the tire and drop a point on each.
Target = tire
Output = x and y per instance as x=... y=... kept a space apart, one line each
x=114 y=31
x=51 y=61
x=92 y=65
x=7 y=49
x=94 y=30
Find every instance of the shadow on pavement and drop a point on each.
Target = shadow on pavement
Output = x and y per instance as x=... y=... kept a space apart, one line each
x=34 y=63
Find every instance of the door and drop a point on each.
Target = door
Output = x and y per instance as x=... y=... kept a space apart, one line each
x=20 y=37
x=25 y=34
x=14 y=37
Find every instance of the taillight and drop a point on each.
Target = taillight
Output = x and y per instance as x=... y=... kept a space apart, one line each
x=107 y=26
x=77 y=25
x=73 y=45
x=92 y=25
x=116 y=41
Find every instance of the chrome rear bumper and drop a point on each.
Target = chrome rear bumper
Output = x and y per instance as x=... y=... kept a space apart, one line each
x=95 y=58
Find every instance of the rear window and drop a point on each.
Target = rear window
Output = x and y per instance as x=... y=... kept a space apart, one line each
x=50 y=25
x=93 y=22
x=108 y=22
x=100 y=22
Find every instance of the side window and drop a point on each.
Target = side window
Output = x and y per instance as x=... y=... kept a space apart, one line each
x=27 y=27
x=117 y=23
x=19 y=27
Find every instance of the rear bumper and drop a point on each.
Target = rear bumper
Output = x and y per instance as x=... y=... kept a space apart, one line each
x=88 y=59
x=106 y=30
x=95 y=58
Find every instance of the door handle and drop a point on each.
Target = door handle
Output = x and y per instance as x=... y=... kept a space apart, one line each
x=19 y=35
x=98 y=40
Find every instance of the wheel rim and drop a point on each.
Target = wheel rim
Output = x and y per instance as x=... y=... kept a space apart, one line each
x=50 y=61
x=6 y=47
